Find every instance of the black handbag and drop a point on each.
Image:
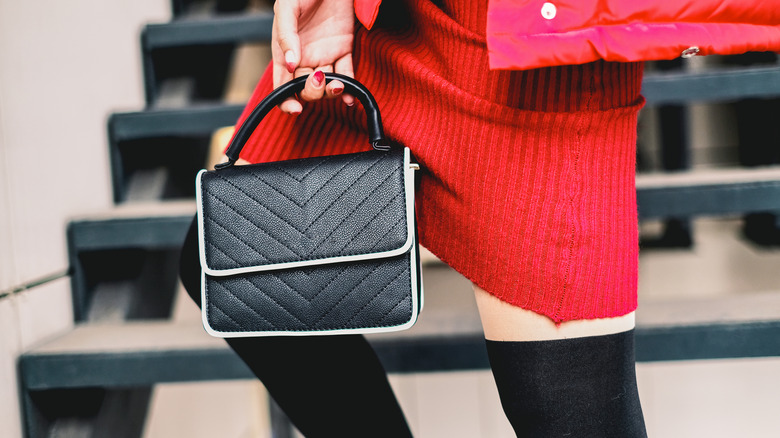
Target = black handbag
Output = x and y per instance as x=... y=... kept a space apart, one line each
x=313 y=246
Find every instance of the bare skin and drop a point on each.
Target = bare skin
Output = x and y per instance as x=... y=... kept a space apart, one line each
x=310 y=36
x=502 y=321
x=317 y=35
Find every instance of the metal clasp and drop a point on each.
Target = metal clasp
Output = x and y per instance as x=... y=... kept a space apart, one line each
x=380 y=145
x=225 y=165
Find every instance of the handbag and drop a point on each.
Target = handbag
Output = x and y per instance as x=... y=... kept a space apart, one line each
x=312 y=246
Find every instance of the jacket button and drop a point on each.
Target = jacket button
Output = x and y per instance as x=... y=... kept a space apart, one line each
x=690 y=52
x=549 y=10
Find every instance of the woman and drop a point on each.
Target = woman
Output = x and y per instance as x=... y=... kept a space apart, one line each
x=523 y=117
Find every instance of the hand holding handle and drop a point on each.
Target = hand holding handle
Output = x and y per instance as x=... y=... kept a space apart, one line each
x=351 y=86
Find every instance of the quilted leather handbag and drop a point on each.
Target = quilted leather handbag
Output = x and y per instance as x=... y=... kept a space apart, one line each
x=312 y=246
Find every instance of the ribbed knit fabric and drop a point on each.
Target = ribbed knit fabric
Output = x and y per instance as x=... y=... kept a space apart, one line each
x=527 y=186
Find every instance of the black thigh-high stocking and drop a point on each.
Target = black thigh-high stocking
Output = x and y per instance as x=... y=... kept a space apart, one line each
x=329 y=386
x=578 y=387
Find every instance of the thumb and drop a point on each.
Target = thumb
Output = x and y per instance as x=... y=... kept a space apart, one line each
x=286 y=16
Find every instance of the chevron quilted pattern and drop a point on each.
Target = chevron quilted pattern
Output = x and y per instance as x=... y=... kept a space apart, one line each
x=305 y=209
x=312 y=209
x=330 y=297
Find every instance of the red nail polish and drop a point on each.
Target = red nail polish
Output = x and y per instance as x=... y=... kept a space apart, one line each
x=319 y=76
x=289 y=59
x=337 y=91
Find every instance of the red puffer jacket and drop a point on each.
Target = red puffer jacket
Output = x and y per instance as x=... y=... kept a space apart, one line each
x=524 y=34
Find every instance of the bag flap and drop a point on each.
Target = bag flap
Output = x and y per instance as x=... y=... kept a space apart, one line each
x=305 y=212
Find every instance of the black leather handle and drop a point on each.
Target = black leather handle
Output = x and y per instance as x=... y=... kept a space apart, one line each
x=351 y=86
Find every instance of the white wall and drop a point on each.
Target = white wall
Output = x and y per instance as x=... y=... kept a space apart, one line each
x=7 y=270
x=64 y=66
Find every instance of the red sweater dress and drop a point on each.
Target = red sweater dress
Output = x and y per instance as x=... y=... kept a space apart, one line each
x=527 y=186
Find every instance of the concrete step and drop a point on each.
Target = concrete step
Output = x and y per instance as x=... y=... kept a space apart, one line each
x=447 y=337
x=180 y=47
x=712 y=85
x=152 y=224
x=193 y=120
x=712 y=192
x=217 y=29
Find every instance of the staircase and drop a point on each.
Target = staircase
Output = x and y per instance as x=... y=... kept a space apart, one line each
x=124 y=261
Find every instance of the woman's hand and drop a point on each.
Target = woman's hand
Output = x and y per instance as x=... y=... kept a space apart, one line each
x=310 y=36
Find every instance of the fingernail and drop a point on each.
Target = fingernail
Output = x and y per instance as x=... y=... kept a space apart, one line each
x=337 y=90
x=295 y=113
x=350 y=103
x=319 y=76
x=289 y=58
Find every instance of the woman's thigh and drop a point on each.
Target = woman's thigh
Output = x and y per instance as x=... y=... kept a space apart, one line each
x=502 y=321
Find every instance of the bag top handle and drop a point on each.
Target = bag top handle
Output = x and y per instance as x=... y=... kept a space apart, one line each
x=351 y=86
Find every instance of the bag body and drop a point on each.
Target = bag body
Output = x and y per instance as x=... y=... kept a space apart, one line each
x=312 y=246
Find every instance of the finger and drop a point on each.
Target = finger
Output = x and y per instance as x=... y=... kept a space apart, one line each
x=285 y=34
x=344 y=66
x=315 y=86
x=291 y=106
x=277 y=57
x=334 y=89
x=281 y=76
